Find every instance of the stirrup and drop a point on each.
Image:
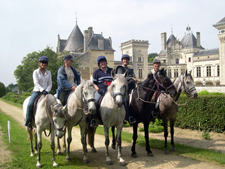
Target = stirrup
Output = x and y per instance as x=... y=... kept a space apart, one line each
x=154 y=114
x=29 y=126
x=93 y=123
x=132 y=120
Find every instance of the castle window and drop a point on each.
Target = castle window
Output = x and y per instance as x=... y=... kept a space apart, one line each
x=175 y=73
x=140 y=73
x=169 y=73
x=189 y=59
x=198 y=72
x=164 y=61
x=208 y=71
x=177 y=61
x=139 y=59
x=218 y=70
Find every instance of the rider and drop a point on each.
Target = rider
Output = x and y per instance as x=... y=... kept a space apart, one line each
x=42 y=80
x=131 y=79
x=102 y=79
x=156 y=66
x=67 y=78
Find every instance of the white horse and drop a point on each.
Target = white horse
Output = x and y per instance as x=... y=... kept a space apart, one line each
x=112 y=112
x=168 y=107
x=49 y=115
x=82 y=98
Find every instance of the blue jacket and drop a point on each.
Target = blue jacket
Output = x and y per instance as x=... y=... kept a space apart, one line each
x=63 y=84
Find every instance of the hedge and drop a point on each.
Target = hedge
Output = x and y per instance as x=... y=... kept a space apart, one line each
x=205 y=113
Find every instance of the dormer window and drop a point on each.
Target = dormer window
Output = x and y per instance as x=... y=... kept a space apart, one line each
x=177 y=61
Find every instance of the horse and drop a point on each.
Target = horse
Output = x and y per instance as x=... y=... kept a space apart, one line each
x=49 y=115
x=168 y=106
x=141 y=105
x=80 y=103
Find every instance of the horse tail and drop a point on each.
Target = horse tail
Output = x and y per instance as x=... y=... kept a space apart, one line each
x=90 y=133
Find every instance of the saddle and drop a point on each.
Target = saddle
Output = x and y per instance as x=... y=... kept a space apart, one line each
x=35 y=105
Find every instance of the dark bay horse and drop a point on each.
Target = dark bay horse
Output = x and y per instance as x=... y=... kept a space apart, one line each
x=168 y=106
x=141 y=105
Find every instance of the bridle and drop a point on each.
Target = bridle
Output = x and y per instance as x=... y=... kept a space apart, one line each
x=160 y=84
x=187 y=91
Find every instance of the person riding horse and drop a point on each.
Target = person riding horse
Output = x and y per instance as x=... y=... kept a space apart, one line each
x=42 y=79
x=156 y=66
x=131 y=79
x=67 y=78
x=102 y=79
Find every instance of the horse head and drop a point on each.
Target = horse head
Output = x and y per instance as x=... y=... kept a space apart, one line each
x=59 y=119
x=88 y=96
x=164 y=83
x=188 y=85
x=118 y=88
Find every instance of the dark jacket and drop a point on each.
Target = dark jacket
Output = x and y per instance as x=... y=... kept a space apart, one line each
x=63 y=84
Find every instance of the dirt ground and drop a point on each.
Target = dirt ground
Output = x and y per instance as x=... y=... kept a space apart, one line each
x=159 y=161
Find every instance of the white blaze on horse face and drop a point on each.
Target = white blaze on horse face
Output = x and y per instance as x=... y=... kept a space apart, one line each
x=119 y=90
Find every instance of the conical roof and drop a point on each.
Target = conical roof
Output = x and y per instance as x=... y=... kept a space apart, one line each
x=75 y=40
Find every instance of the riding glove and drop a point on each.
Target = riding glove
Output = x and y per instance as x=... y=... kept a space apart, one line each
x=100 y=91
x=44 y=92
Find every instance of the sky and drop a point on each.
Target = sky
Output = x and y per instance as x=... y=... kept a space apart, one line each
x=28 y=26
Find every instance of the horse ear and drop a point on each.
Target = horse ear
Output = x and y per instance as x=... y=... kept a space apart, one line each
x=113 y=73
x=91 y=79
x=126 y=74
x=65 y=108
x=190 y=72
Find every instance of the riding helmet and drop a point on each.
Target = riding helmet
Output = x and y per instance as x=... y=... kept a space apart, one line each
x=43 y=59
x=101 y=58
x=125 y=56
x=156 y=61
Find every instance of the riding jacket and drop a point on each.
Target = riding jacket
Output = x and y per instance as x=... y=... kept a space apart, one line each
x=63 y=84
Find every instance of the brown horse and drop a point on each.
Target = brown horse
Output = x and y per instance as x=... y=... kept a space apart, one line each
x=168 y=106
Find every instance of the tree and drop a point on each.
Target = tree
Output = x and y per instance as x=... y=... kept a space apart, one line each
x=151 y=56
x=2 y=89
x=23 y=72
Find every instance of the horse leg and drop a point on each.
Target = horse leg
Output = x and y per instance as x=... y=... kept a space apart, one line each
x=83 y=133
x=134 y=154
x=147 y=146
x=119 y=157
x=30 y=137
x=39 y=146
x=53 y=147
x=35 y=141
x=114 y=138
x=58 y=147
x=165 y=125
x=91 y=138
x=172 y=134
x=64 y=141
x=108 y=160
x=69 y=139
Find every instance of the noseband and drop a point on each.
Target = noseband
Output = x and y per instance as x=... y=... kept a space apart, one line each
x=160 y=84
x=118 y=94
x=187 y=90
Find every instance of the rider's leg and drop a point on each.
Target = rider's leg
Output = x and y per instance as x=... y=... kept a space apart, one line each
x=30 y=105
x=128 y=117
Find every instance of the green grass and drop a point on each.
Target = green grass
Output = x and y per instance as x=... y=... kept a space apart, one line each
x=20 y=147
x=182 y=150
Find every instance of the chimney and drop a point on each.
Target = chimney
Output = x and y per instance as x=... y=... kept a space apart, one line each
x=163 y=41
x=198 y=39
x=101 y=44
x=85 y=40
x=110 y=41
x=90 y=33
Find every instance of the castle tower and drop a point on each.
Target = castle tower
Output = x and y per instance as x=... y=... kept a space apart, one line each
x=138 y=51
x=221 y=28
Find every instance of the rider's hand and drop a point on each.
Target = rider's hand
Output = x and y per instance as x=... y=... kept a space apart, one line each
x=44 y=92
x=73 y=88
x=100 y=91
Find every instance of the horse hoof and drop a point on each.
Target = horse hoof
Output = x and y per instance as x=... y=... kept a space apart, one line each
x=134 y=155
x=32 y=154
x=122 y=164
x=64 y=150
x=174 y=149
x=150 y=154
x=38 y=165
x=167 y=152
x=113 y=146
x=86 y=161
x=109 y=162
x=67 y=158
x=55 y=164
x=58 y=153
x=94 y=150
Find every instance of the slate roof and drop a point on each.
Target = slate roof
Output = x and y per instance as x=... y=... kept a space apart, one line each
x=207 y=52
x=189 y=41
x=171 y=40
x=75 y=40
x=93 y=43
x=62 y=44
x=221 y=22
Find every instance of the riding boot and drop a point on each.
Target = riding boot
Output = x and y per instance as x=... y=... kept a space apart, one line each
x=128 y=117
x=93 y=122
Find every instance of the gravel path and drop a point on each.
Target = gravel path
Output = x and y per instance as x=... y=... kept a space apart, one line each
x=160 y=160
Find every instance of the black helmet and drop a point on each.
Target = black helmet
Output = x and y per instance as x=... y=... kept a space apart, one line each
x=43 y=59
x=100 y=58
x=125 y=56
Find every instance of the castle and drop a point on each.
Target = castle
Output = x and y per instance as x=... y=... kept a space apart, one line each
x=176 y=56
